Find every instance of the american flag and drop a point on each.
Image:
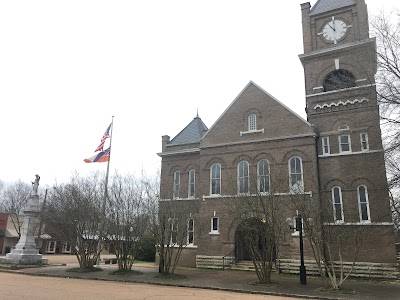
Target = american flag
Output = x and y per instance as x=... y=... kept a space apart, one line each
x=103 y=139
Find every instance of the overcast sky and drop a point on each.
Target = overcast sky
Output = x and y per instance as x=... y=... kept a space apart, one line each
x=67 y=67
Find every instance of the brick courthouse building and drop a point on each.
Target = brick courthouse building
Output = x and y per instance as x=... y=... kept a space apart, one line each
x=335 y=157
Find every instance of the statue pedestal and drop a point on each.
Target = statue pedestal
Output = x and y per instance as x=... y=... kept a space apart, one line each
x=25 y=252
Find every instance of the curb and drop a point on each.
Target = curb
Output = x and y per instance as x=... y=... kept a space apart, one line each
x=242 y=291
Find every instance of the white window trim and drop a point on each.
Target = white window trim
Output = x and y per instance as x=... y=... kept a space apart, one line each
x=255 y=122
x=341 y=204
x=194 y=184
x=291 y=189
x=175 y=190
x=366 y=140
x=252 y=131
x=187 y=235
x=51 y=247
x=295 y=231
x=326 y=138
x=366 y=202
x=220 y=180
x=258 y=177
x=212 y=231
x=238 y=178
x=172 y=231
x=340 y=145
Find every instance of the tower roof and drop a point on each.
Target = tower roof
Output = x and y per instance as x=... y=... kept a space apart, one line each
x=192 y=133
x=326 y=5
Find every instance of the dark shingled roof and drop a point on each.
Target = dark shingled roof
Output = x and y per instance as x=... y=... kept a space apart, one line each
x=192 y=133
x=326 y=5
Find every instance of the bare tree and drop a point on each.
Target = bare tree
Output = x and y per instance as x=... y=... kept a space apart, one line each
x=175 y=225
x=13 y=201
x=73 y=215
x=386 y=28
x=175 y=230
x=128 y=215
x=260 y=218
x=327 y=240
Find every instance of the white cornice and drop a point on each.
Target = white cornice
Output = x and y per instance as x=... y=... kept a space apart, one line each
x=326 y=51
x=292 y=137
x=255 y=195
x=349 y=153
x=183 y=151
x=361 y=223
x=338 y=91
x=341 y=103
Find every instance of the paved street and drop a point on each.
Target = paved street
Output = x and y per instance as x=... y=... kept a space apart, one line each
x=18 y=286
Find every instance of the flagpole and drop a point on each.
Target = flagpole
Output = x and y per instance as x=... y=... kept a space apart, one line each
x=105 y=196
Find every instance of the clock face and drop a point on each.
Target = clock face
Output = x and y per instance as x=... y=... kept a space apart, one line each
x=334 y=30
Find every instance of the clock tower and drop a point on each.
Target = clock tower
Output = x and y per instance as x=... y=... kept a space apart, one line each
x=339 y=63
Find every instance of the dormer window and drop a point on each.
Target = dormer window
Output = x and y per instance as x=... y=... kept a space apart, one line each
x=252 y=121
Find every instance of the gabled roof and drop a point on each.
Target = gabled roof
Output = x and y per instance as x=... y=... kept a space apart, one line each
x=266 y=93
x=326 y=5
x=192 y=133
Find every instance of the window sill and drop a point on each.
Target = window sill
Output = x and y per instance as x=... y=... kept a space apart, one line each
x=349 y=153
x=179 y=199
x=214 y=233
x=365 y=223
x=252 y=131
x=294 y=234
x=190 y=246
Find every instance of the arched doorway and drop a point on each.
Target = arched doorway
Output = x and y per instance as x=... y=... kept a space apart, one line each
x=253 y=233
x=241 y=250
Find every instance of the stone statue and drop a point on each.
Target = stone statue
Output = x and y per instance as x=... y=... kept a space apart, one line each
x=35 y=185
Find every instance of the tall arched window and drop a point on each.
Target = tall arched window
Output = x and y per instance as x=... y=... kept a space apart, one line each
x=252 y=121
x=192 y=184
x=263 y=179
x=177 y=184
x=243 y=177
x=339 y=79
x=215 y=179
x=296 y=175
x=337 y=204
x=363 y=204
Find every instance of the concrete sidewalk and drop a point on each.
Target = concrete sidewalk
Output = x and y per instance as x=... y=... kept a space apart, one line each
x=239 y=281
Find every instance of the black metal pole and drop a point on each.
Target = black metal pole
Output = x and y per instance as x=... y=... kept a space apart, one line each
x=303 y=273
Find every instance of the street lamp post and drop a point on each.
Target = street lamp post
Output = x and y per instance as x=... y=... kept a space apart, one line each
x=299 y=228
x=303 y=273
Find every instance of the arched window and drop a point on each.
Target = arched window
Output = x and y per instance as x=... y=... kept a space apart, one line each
x=263 y=179
x=296 y=175
x=363 y=204
x=343 y=127
x=337 y=204
x=215 y=179
x=243 y=177
x=177 y=184
x=192 y=184
x=339 y=79
x=252 y=122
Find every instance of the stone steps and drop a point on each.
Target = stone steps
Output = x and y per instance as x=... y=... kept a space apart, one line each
x=288 y=266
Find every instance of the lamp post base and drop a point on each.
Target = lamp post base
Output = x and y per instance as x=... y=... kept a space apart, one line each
x=303 y=276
